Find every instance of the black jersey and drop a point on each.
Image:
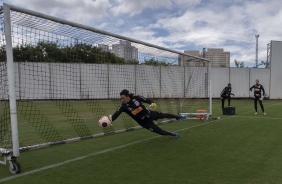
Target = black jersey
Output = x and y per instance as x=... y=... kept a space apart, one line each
x=226 y=92
x=258 y=88
x=134 y=108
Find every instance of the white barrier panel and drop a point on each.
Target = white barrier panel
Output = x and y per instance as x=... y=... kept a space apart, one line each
x=239 y=79
x=276 y=66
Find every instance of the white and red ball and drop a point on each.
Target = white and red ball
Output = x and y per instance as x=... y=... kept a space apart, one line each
x=104 y=121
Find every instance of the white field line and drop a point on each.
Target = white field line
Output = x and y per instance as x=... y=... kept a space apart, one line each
x=259 y=117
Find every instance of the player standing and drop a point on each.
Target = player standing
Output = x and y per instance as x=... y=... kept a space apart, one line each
x=226 y=93
x=258 y=89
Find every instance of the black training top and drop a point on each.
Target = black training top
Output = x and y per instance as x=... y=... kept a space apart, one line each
x=257 y=90
x=134 y=108
x=226 y=92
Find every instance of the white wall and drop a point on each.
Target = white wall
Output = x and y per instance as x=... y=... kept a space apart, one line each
x=276 y=66
x=149 y=81
x=220 y=79
x=121 y=77
x=172 y=82
x=95 y=81
x=33 y=80
x=196 y=83
x=239 y=79
x=102 y=81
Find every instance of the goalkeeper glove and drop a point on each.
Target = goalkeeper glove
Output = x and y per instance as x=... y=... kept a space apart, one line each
x=153 y=105
x=261 y=98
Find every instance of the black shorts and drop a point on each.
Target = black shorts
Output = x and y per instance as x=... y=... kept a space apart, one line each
x=153 y=115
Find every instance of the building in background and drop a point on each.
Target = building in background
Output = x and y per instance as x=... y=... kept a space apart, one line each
x=190 y=61
x=104 y=47
x=217 y=56
x=125 y=50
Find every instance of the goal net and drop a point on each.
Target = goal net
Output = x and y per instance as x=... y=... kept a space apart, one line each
x=68 y=75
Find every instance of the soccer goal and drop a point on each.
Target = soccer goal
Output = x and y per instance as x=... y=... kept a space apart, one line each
x=57 y=78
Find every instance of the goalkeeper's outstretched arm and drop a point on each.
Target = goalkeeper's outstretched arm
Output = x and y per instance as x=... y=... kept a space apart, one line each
x=145 y=100
x=116 y=114
x=148 y=101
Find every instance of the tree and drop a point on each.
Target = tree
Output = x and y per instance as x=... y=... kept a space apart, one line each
x=156 y=63
x=239 y=64
x=266 y=64
x=45 y=51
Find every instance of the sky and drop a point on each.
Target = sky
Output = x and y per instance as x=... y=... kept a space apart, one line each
x=178 y=24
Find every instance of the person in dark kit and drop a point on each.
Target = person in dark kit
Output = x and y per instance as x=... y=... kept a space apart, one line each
x=132 y=105
x=226 y=93
x=258 y=97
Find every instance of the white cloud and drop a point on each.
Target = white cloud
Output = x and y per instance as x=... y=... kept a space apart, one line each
x=81 y=11
x=120 y=22
x=237 y=24
x=135 y=7
x=186 y=25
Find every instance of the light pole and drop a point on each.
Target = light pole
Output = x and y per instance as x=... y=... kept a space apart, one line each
x=256 y=50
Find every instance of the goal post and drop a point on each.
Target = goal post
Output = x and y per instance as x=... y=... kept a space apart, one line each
x=14 y=153
x=11 y=81
x=58 y=78
x=197 y=90
x=197 y=87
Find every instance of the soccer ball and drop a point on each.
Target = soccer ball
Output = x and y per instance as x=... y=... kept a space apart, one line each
x=104 y=121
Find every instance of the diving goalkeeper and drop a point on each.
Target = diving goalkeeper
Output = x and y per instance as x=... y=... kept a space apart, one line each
x=132 y=105
x=258 y=89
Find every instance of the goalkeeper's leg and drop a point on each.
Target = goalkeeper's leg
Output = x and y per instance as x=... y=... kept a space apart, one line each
x=222 y=103
x=261 y=105
x=229 y=101
x=255 y=103
x=150 y=125
x=159 y=115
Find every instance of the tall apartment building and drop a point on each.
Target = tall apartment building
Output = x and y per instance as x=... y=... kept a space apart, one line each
x=125 y=50
x=190 y=61
x=217 y=56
